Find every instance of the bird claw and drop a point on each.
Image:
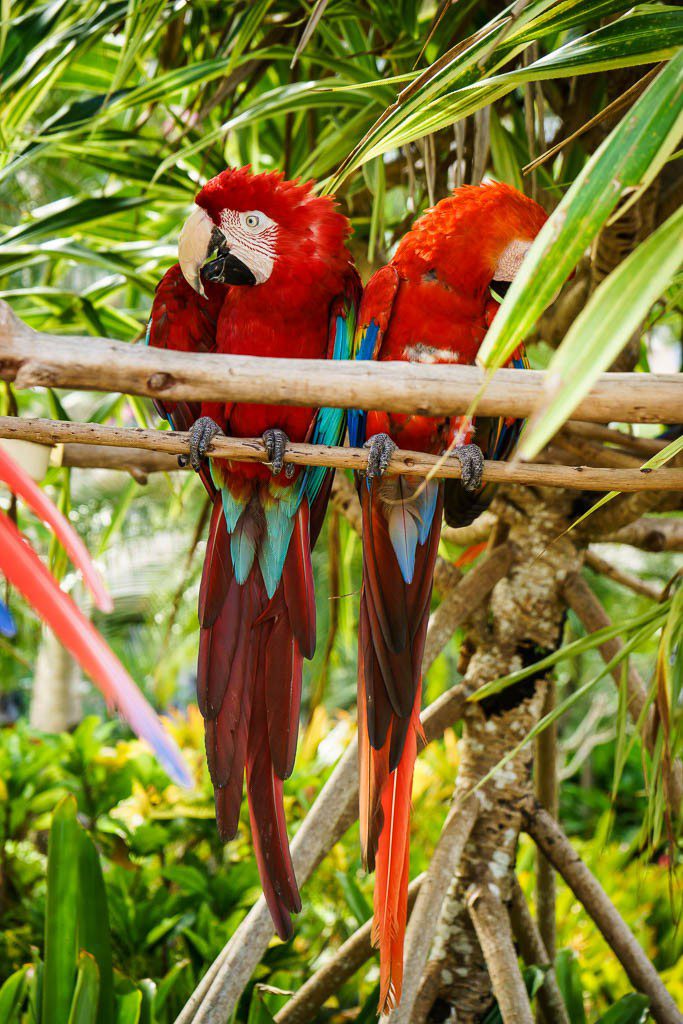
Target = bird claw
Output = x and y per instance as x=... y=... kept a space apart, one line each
x=471 y=459
x=276 y=442
x=202 y=433
x=381 y=449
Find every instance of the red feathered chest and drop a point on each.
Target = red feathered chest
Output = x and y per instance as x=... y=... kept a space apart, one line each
x=430 y=324
x=257 y=322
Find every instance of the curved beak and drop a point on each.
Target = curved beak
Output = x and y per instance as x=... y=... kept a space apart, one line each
x=199 y=238
x=227 y=269
x=194 y=245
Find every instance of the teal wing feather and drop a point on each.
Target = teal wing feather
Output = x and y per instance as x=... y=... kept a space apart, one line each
x=329 y=425
x=373 y=321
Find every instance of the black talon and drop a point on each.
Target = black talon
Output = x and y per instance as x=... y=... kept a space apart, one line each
x=276 y=442
x=202 y=433
x=471 y=459
x=381 y=449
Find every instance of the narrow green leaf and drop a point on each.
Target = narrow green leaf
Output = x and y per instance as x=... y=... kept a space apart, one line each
x=85 y=1001
x=258 y=1011
x=129 y=1007
x=633 y=642
x=631 y=1009
x=651 y=128
x=601 y=330
x=571 y=650
x=93 y=924
x=61 y=924
x=12 y=995
x=568 y=973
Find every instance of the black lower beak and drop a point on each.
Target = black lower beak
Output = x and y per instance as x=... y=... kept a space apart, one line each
x=227 y=269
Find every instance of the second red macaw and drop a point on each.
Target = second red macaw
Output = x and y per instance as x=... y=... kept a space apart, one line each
x=433 y=303
x=279 y=281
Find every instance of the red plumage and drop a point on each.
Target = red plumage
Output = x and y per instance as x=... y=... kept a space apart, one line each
x=431 y=304
x=256 y=603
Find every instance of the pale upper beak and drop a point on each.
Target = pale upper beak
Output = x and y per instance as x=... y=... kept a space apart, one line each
x=193 y=247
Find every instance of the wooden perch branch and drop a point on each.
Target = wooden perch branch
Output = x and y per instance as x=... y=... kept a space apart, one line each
x=252 y=449
x=30 y=358
x=548 y=835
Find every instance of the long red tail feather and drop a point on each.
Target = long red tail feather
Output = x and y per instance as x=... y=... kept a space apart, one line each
x=392 y=630
x=251 y=653
x=392 y=862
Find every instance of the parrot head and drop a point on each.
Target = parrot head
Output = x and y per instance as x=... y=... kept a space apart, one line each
x=247 y=229
x=473 y=240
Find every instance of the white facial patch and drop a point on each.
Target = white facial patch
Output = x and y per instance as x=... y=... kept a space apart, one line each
x=430 y=354
x=511 y=260
x=251 y=237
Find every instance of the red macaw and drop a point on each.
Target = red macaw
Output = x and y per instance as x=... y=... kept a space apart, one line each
x=280 y=283
x=22 y=568
x=432 y=304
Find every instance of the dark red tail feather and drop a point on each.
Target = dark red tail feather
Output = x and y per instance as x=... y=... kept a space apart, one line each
x=251 y=652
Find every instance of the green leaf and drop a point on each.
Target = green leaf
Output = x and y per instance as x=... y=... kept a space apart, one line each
x=93 y=924
x=643 y=634
x=61 y=919
x=426 y=105
x=601 y=330
x=12 y=995
x=258 y=1011
x=69 y=216
x=128 y=1006
x=167 y=983
x=631 y=1009
x=86 y=996
x=571 y=650
x=649 y=132
x=568 y=973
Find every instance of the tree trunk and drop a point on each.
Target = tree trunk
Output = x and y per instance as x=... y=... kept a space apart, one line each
x=56 y=702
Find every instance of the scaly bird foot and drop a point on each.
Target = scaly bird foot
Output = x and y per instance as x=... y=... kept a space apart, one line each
x=381 y=449
x=276 y=443
x=202 y=433
x=471 y=460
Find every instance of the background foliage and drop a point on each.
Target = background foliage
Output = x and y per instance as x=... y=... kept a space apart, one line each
x=113 y=114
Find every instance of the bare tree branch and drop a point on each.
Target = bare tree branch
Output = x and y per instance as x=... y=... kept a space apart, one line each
x=534 y=952
x=548 y=835
x=492 y=926
x=328 y=980
x=650 y=534
x=600 y=565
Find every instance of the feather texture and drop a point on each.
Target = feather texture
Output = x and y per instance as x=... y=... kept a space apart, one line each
x=256 y=601
x=431 y=304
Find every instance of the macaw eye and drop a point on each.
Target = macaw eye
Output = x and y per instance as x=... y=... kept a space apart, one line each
x=252 y=220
